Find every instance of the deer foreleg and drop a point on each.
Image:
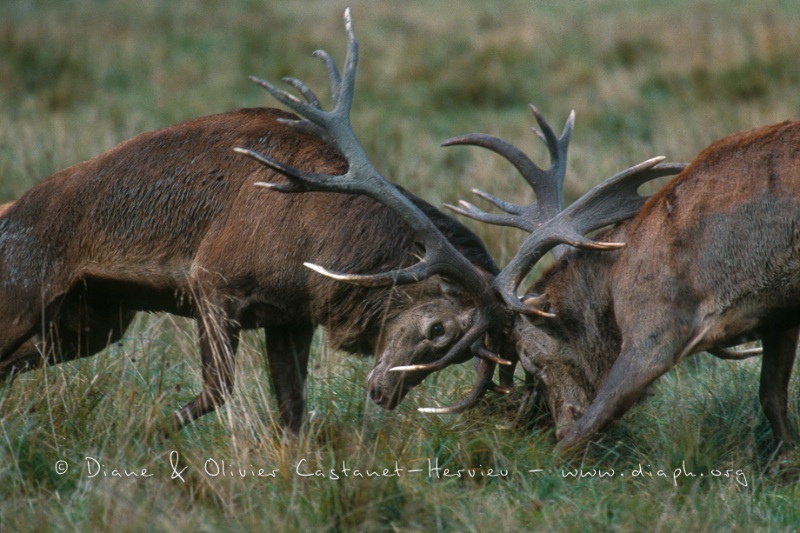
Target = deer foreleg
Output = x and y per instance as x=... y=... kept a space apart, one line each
x=219 y=338
x=287 y=357
x=780 y=350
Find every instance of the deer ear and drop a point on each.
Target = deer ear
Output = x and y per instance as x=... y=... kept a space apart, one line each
x=452 y=289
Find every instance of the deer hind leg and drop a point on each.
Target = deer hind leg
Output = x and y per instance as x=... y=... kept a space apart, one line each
x=219 y=338
x=780 y=350
x=18 y=342
x=67 y=339
x=287 y=357
x=21 y=350
x=28 y=356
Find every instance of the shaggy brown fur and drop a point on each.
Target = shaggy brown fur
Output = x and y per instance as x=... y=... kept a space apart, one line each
x=171 y=221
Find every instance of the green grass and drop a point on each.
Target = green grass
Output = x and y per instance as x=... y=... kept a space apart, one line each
x=645 y=78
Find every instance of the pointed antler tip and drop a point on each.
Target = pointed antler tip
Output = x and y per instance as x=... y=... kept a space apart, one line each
x=348 y=23
x=452 y=410
x=259 y=81
x=338 y=276
x=410 y=368
x=268 y=185
x=530 y=306
x=328 y=273
x=316 y=268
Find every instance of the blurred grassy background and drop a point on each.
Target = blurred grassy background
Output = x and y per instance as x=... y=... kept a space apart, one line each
x=646 y=78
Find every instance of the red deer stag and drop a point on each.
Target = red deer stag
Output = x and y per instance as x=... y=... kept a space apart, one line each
x=711 y=260
x=171 y=221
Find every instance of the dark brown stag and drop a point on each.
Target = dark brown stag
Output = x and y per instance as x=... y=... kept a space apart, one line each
x=710 y=261
x=171 y=221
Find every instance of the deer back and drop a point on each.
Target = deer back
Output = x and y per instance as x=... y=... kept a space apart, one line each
x=139 y=221
x=719 y=245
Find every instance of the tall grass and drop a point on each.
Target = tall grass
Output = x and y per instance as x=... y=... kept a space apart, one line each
x=645 y=78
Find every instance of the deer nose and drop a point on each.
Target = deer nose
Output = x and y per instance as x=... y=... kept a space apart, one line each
x=376 y=395
x=571 y=415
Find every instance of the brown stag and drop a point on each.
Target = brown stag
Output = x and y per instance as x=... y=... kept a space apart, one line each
x=171 y=221
x=711 y=260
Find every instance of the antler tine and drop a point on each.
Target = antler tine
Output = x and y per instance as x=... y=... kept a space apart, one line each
x=306 y=110
x=610 y=202
x=333 y=73
x=470 y=211
x=508 y=207
x=400 y=276
x=535 y=176
x=483 y=383
x=481 y=352
x=362 y=178
x=617 y=198
x=558 y=152
x=304 y=89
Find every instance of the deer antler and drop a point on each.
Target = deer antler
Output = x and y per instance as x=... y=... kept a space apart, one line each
x=546 y=185
x=363 y=178
x=610 y=202
x=482 y=383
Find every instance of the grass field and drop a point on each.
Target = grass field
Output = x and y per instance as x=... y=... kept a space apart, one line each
x=646 y=78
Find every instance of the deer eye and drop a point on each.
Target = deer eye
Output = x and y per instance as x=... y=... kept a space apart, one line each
x=436 y=330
